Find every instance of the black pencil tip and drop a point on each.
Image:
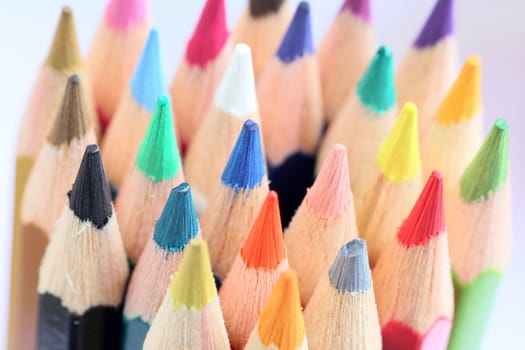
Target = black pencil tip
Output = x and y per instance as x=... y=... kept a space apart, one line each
x=90 y=198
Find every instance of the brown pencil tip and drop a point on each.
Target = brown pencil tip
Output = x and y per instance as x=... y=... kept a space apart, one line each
x=71 y=121
x=64 y=54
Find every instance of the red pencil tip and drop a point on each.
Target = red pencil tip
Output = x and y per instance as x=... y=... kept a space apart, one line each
x=427 y=218
x=210 y=34
x=264 y=247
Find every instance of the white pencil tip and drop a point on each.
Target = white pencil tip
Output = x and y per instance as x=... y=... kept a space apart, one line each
x=236 y=92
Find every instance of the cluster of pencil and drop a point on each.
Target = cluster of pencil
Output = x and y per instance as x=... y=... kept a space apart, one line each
x=273 y=197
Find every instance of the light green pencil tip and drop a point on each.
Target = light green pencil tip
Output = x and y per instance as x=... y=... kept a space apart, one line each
x=489 y=169
x=376 y=88
x=158 y=156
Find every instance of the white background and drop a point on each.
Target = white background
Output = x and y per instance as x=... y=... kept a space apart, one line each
x=494 y=30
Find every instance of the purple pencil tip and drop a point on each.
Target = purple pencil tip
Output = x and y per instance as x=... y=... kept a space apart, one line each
x=360 y=8
x=439 y=24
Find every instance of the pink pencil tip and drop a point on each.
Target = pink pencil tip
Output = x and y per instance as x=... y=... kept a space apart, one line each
x=427 y=218
x=209 y=36
x=122 y=14
x=360 y=8
x=330 y=194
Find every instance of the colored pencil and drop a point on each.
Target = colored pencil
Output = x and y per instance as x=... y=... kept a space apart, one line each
x=84 y=269
x=456 y=132
x=345 y=53
x=234 y=206
x=480 y=234
x=412 y=278
x=42 y=202
x=393 y=184
x=198 y=75
x=429 y=67
x=281 y=325
x=262 y=26
x=234 y=103
x=342 y=313
x=190 y=316
x=115 y=51
x=254 y=273
x=289 y=93
x=324 y=221
x=146 y=188
x=132 y=116
x=364 y=120
x=177 y=225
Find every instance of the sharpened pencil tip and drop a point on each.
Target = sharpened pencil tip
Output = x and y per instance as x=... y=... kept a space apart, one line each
x=350 y=271
x=261 y=8
x=488 y=171
x=123 y=14
x=64 y=54
x=90 y=198
x=427 y=217
x=298 y=38
x=178 y=223
x=148 y=84
x=439 y=25
x=71 y=121
x=360 y=8
x=246 y=167
x=264 y=246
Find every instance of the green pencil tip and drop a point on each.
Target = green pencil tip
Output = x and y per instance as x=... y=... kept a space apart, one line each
x=489 y=169
x=158 y=156
x=376 y=88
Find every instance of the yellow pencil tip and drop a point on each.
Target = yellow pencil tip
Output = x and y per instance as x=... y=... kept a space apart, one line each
x=64 y=54
x=398 y=157
x=193 y=285
x=281 y=322
x=463 y=100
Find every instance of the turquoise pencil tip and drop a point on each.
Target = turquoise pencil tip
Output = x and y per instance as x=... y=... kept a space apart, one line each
x=376 y=88
x=148 y=84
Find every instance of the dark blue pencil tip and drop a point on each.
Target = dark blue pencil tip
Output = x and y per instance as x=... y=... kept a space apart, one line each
x=439 y=24
x=148 y=82
x=178 y=222
x=245 y=168
x=298 y=38
x=350 y=271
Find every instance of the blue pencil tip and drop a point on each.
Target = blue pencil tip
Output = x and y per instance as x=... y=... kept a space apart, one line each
x=148 y=82
x=245 y=168
x=376 y=88
x=350 y=271
x=178 y=222
x=298 y=38
x=439 y=24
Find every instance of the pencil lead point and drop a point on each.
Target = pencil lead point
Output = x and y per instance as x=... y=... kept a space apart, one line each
x=427 y=218
x=360 y=8
x=210 y=35
x=488 y=170
x=376 y=88
x=261 y=8
x=463 y=100
x=439 y=24
x=298 y=38
x=245 y=168
x=236 y=91
x=398 y=157
x=148 y=84
x=281 y=322
x=71 y=121
x=178 y=223
x=350 y=271
x=330 y=194
x=193 y=285
x=122 y=14
x=64 y=54
x=158 y=155
x=264 y=246
x=90 y=198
